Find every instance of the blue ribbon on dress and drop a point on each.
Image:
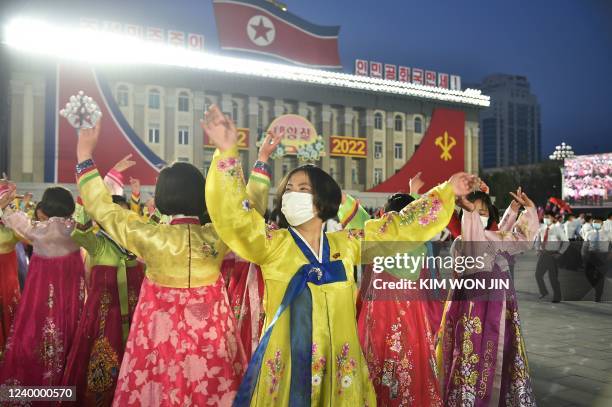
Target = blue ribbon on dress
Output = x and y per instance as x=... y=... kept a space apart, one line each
x=299 y=297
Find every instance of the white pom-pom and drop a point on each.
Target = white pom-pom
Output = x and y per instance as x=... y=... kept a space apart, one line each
x=81 y=93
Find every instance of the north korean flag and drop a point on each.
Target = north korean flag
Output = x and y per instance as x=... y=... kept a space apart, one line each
x=260 y=27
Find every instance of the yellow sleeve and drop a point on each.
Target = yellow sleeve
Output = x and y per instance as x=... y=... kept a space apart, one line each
x=123 y=225
x=236 y=222
x=351 y=214
x=419 y=221
x=258 y=188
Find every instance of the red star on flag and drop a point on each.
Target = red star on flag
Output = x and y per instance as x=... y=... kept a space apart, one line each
x=261 y=31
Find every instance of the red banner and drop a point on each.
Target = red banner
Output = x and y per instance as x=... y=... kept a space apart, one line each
x=260 y=27
x=440 y=154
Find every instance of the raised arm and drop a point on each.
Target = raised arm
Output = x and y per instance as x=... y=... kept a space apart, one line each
x=123 y=225
x=509 y=218
x=423 y=218
x=258 y=186
x=239 y=225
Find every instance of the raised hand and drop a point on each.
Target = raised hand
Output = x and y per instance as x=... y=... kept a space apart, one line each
x=135 y=185
x=270 y=142
x=219 y=128
x=463 y=183
x=484 y=187
x=514 y=205
x=8 y=190
x=88 y=139
x=522 y=199
x=124 y=163
x=150 y=205
x=464 y=203
x=416 y=183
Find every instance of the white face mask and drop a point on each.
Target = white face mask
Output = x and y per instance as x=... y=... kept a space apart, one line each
x=297 y=207
x=596 y=226
x=547 y=221
x=484 y=220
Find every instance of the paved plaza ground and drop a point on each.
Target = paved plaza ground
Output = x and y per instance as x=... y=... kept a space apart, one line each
x=569 y=345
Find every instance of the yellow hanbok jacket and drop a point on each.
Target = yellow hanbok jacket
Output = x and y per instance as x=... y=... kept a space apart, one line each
x=178 y=256
x=8 y=239
x=339 y=370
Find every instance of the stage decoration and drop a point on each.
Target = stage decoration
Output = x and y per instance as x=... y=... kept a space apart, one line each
x=81 y=111
x=299 y=137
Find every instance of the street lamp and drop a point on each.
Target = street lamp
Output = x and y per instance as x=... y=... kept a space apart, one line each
x=562 y=152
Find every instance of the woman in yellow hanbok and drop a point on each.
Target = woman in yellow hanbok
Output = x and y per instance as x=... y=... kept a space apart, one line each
x=182 y=347
x=309 y=353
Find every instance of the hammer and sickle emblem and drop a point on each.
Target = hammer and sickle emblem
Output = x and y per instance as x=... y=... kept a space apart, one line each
x=446 y=143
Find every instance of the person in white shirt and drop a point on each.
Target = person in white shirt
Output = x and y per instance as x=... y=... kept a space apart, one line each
x=551 y=242
x=607 y=225
x=586 y=227
x=571 y=227
x=596 y=256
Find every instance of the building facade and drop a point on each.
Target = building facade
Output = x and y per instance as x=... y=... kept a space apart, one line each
x=164 y=105
x=510 y=127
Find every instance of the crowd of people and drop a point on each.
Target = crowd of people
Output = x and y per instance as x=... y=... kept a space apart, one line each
x=588 y=179
x=197 y=298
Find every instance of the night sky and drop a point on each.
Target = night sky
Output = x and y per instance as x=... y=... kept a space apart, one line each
x=563 y=47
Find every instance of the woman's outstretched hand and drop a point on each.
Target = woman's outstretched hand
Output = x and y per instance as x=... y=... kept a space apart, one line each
x=522 y=198
x=125 y=163
x=270 y=142
x=88 y=139
x=463 y=183
x=8 y=191
x=219 y=128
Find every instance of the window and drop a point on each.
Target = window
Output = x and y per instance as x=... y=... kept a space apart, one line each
x=154 y=99
x=354 y=176
x=378 y=149
x=378 y=121
x=418 y=125
x=399 y=151
x=260 y=118
x=309 y=115
x=123 y=96
x=285 y=169
x=332 y=172
x=399 y=123
x=154 y=134
x=183 y=159
x=183 y=102
x=183 y=135
x=416 y=147
x=235 y=112
x=378 y=175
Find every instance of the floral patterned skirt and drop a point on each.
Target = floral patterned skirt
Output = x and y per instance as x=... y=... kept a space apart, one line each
x=46 y=322
x=9 y=295
x=182 y=349
x=482 y=351
x=245 y=291
x=94 y=360
x=397 y=341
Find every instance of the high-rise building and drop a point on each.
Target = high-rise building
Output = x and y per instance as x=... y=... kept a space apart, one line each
x=510 y=127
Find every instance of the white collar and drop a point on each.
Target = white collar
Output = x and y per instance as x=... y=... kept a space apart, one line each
x=317 y=256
